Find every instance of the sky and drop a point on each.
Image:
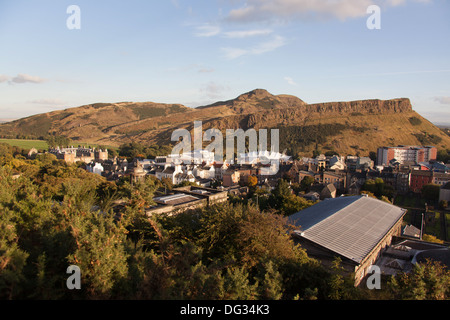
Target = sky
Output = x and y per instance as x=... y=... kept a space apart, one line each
x=196 y=52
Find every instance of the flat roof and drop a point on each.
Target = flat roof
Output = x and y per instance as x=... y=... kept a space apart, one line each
x=350 y=226
x=176 y=199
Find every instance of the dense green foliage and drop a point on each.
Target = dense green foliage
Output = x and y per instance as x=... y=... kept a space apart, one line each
x=430 y=192
x=137 y=150
x=443 y=155
x=427 y=139
x=58 y=141
x=55 y=215
x=427 y=281
x=378 y=188
x=415 y=121
x=295 y=139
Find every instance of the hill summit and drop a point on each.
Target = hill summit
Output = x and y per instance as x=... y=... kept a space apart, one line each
x=353 y=127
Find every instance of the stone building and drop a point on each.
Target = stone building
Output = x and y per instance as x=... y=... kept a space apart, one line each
x=355 y=228
x=83 y=154
x=185 y=198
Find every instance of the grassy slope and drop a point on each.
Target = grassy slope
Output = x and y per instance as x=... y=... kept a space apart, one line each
x=42 y=145
x=26 y=144
x=383 y=130
x=149 y=123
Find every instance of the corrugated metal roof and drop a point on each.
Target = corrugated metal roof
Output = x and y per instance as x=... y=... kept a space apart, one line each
x=350 y=226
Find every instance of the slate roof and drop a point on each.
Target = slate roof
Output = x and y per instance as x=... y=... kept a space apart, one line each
x=350 y=226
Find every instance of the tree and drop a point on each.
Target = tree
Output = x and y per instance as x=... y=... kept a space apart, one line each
x=252 y=181
x=237 y=285
x=373 y=156
x=281 y=192
x=12 y=257
x=293 y=204
x=306 y=183
x=431 y=238
x=270 y=282
x=341 y=285
x=431 y=192
x=58 y=141
x=443 y=155
x=370 y=186
x=427 y=281
x=100 y=252
x=167 y=184
x=378 y=188
x=46 y=158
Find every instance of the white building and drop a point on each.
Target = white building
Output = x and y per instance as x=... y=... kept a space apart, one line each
x=95 y=167
x=204 y=172
x=337 y=163
x=195 y=157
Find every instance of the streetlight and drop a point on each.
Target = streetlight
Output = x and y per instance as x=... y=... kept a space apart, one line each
x=421 y=228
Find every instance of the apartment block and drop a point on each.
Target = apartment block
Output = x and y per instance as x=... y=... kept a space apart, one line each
x=406 y=154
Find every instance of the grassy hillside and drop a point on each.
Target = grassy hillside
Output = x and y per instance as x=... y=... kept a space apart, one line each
x=26 y=144
x=360 y=134
x=42 y=145
x=355 y=127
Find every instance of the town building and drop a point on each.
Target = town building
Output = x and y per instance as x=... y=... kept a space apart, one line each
x=420 y=178
x=230 y=178
x=406 y=154
x=355 y=228
x=337 y=163
x=411 y=232
x=329 y=191
x=95 y=167
x=338 y=179
x=405 y=252
x=440 y=178
x=185 y=198
x=444 y=193
x=83 y=154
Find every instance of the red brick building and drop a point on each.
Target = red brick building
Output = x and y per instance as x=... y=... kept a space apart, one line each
x=419 y=178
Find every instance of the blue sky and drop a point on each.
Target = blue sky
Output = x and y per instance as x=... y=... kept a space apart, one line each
x=199 y=52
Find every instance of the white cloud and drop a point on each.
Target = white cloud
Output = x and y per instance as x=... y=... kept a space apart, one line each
x=273 y=10
x=205 y=70
x=48 y=102
x=247 y=33
x=207 y=31
x=290 y=81
x=214 y=90
x=273 y=44
x=443 y=100
x=24 y=78
x=233 y=53
x=192 y=67
x=176 y=4
x=3 y=78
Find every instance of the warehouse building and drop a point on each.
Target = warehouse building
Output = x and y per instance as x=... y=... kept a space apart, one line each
x=355 y=228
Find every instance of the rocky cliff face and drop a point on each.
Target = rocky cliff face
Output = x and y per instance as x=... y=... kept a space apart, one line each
x=364 y=106
x=300 y=113
x=151 y=123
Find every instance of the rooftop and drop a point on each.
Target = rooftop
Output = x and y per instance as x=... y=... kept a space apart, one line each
x=350 y=226
x=176 y=199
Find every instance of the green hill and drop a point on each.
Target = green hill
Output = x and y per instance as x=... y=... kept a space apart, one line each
x=355 y=127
